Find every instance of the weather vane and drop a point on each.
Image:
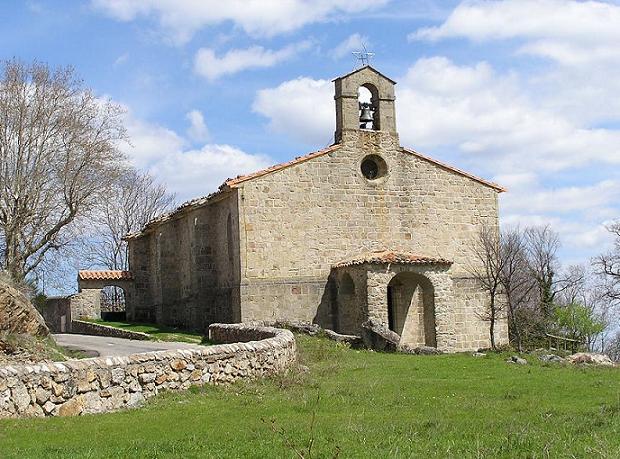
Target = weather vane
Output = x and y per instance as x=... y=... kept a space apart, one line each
x=363 y=56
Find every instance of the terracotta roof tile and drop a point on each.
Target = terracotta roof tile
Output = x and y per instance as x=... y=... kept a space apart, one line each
x=105 y=275
x=237 y=181
x=389 y=256
x=300 y=159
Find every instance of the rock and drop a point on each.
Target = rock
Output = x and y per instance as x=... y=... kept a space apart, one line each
x=420 y=350
x=352 y=340
x=135 y=399
x=17 y=314
x=147 y=377
x=590 y=358
x=48 y=408
x=42 y=395
x=21 y=397
x=71 y=407
x=379 y=337
x=34 y=411
x=302 y=327
x=516 y=359
x=178 y=365
x=118 y=375
x=479 y=354
x=551 y=358
x=427 y=350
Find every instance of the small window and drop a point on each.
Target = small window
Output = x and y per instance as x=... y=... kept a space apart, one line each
x=373 y=167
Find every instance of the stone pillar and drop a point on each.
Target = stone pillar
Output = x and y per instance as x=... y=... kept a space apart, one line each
x=86 y=304
x=377 y=282
x=444 y=320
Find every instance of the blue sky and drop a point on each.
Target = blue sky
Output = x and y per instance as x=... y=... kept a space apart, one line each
x=523 y=92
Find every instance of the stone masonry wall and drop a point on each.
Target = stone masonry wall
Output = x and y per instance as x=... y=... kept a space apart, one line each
x=89 y=328
x=57 y=314
x=186 y=270
x=296 y=223
x=105 y=384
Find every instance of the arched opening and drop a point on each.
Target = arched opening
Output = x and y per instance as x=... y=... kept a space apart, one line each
x=411 y=309
x=349 y=311
x=368 y=102
x=346 y=286
x=113 y=302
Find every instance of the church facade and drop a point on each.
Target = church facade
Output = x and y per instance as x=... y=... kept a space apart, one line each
x=362 y=229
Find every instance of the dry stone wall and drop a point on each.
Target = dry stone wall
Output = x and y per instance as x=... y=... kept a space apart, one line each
x=89 y=328
x=106 y=384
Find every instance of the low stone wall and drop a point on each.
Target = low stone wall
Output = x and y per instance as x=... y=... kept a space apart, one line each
x=82 y=327
x=105 y=384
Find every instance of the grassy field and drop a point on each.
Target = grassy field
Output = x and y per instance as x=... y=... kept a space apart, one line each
x=356 y=404
x=157 y=332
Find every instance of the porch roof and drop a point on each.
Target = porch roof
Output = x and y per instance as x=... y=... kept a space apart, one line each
x=105 y=275
x=389 y=256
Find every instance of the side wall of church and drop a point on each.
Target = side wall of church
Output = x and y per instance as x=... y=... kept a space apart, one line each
x=297 y=222
x=186 y=269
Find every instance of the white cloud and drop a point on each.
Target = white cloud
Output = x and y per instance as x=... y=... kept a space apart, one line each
x=121 y=59
x=562 y=200
x=487 y=123
x=210 y=66
x=301 y=108
x=568 y=31
x=180 y=19
x=186 y=171
x=353 y=42
x=195 y=173
x=485 y=116
x=197 y=130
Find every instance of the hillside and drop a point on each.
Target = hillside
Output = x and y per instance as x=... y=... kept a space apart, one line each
x=24 y=337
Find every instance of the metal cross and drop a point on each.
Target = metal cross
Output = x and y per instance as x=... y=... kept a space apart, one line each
x=363 y=56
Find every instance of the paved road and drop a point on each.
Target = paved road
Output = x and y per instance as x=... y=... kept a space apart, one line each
x=105 y=347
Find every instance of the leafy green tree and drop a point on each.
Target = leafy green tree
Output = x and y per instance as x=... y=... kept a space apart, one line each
x=577 y=322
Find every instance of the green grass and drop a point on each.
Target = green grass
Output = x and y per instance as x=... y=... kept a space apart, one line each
x=360 y=403
x=157 y=332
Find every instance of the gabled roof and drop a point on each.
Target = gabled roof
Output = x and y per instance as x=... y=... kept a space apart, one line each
x=447 y=167
x=232 y=183
x=391 y=257
x=228 y=185
x=369 y=67
x=105 y=275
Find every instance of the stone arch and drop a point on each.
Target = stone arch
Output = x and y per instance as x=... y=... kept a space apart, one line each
x=411 y=308
x=86 y=303
x=348 y=305
x=113 y=301
x=346 y=286
x=368 y=93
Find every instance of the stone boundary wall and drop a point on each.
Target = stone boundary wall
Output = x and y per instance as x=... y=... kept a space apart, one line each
x=105 y=384
x=82 y=327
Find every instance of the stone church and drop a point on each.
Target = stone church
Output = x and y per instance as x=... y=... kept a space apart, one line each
x=362 y=229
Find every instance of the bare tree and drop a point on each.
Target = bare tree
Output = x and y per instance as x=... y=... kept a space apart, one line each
x=134 y=201
x=58 y=155
x=516 y=280
x=612 y=348
x=608 y=266
x=542 y=245
x=487 y=268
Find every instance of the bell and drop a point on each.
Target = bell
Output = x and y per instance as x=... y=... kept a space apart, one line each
x=367 y=115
